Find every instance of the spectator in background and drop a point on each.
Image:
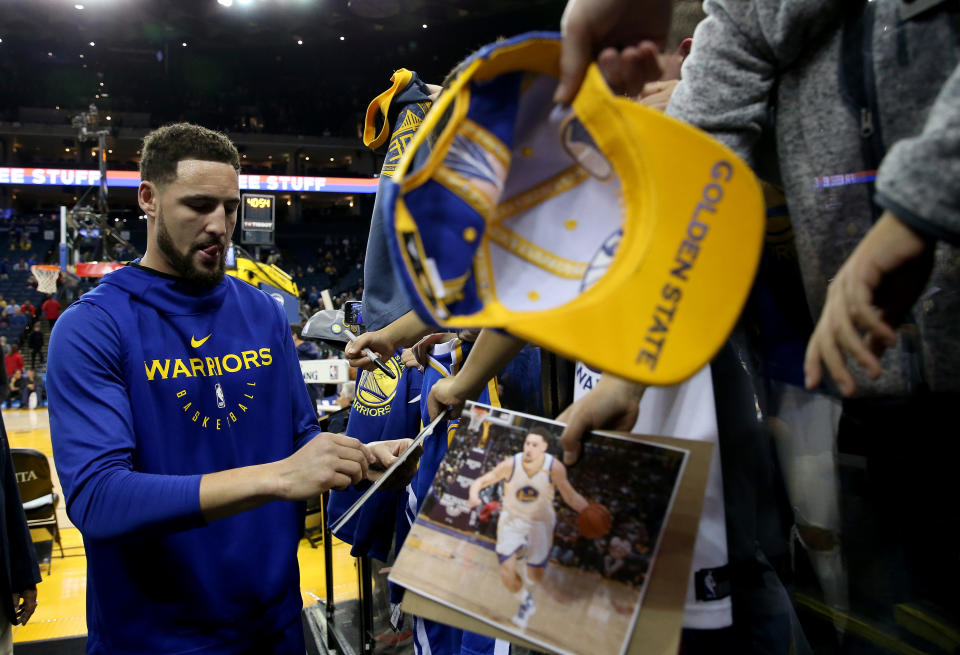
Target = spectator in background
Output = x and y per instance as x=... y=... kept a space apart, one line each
x=11 y=309
x=50 y=310
x=28 y=309
x=30 y=384
x=13 y=361
x=5 y=347
x=35 y=341
x=15 y=385
x=348 y=393
x=4 y=269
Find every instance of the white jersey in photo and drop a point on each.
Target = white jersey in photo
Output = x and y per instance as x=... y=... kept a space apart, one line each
x=530 y=497
x=528 y=517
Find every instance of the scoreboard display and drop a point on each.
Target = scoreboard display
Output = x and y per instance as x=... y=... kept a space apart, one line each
x=257 y=213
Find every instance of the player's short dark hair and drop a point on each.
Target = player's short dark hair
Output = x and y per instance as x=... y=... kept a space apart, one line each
x=167 y=146
x=542 y=432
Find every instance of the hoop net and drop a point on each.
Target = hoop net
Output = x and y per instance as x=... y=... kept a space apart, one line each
x=46 y=277
x=477 y=416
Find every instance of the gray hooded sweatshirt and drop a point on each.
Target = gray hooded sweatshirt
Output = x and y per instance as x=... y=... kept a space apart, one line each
x=823 y=96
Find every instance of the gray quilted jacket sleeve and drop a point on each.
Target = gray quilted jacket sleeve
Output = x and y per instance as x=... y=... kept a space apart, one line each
x=919 y=179
x=727 y=79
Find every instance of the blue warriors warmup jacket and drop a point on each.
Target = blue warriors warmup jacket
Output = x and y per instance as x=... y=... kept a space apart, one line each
x=152 y=384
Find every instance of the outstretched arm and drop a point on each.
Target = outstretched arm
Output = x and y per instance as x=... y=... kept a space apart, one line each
x=492 y=351
x=570 y=495
x=502 y=471
x=402 y=333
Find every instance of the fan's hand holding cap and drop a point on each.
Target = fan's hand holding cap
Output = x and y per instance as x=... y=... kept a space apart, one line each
x=604 y=231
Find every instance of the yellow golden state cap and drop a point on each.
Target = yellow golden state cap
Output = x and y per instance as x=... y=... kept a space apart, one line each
x=605 y=231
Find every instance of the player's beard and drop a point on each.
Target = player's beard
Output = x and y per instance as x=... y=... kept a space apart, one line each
x=183 y=264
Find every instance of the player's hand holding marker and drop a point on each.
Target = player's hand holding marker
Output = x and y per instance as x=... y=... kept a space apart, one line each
x=378 y=341
x=611 y=405
x=374 y=358
x=402 y=333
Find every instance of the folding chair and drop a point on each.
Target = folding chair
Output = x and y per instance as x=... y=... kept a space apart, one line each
x=36 y=492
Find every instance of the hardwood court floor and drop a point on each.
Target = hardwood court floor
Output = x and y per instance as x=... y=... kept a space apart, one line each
x=61 y=607
x=442 y=566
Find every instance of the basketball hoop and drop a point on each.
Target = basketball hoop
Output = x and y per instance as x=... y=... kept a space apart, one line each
x=477 y=416
x=46 y=276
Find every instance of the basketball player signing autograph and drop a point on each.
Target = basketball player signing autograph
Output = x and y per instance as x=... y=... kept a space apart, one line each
x=527 y=519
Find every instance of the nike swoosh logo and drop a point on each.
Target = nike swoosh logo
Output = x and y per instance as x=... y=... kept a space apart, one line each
x=194 y=343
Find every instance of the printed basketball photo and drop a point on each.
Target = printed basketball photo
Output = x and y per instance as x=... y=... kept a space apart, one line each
x=558 y=556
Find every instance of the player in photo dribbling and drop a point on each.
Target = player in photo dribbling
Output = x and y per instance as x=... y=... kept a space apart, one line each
x=527 y=519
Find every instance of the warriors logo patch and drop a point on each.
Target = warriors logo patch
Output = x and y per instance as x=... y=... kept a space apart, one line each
x=527 y=494
x=376 y=390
